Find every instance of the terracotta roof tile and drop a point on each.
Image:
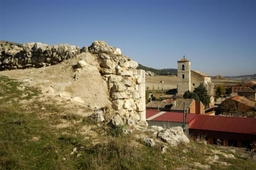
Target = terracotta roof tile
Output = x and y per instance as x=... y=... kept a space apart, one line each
x=244 y=100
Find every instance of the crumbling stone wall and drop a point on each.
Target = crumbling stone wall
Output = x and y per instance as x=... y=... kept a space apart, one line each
x=20 y=56
x=125 y=84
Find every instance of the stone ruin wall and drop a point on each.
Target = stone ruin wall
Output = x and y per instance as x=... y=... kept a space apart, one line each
x=18 y=56
x=126 y=84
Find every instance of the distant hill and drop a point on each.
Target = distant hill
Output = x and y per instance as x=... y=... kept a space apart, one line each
x=243 y=77
x=172 y=71
x=219 y=77
x=166 y=71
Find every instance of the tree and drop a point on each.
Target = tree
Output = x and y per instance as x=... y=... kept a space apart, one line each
x=202 y=94
x=220 y=90
x=191 y=95
x=199 y=94
x=187 y=94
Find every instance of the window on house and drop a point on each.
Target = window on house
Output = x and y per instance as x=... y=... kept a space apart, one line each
x=183 y=67
x=183 y=76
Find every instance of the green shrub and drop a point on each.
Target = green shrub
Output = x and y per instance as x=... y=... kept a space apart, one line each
x=117 y=131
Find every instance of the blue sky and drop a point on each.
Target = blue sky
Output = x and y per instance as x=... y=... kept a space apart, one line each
x=218 y=36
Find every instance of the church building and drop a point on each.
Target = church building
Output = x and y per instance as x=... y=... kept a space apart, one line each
x=189 y=79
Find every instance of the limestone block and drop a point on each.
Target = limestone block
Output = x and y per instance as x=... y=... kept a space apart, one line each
x=115 y=78
x=131 y=103
x=98 y=115
x=74 y=50
x=149 y=142
x=117 y=120
x=135 y=95
x=84 y=49
x=48 y=51
x=106 y=71
x=118 y=95
x=128 y=105
x=130 y=122
x=173 y=136
x=28 y=47
x=65 y=95
x=131 y=114
x=117 y=51
x=118 y=87
x=81 y=63
x=61 y=49
x=131 y=64
x=118 y=67
x=15 y=61
x=127 y=72
x=136 y=117
x=104 y=56
x=107 y=64
x=117 y=104
x=140 y=106
x=48 y=90
x=77 y=100
x=122 y=112
x=164 y=149
x=128 y=82
x=157 y=128
x=100 y=47
x=48 y=60
x=12 y=52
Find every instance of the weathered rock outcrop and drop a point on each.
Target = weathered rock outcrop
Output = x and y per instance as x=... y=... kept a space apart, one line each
x=173 y=136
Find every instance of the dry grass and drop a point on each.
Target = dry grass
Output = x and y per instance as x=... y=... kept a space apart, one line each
x=30 y=141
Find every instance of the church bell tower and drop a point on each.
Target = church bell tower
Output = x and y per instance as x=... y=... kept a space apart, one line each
x=184 y=75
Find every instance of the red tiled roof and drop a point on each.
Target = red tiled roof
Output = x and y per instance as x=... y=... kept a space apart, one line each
x=244 y=100
x=174 y=117
x=150 y=113
x=170 y=116
x=225 y=124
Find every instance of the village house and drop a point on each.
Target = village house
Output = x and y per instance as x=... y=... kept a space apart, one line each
x=237 y=105
x=248 y=93
x=178 y=105
x=240 y=87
